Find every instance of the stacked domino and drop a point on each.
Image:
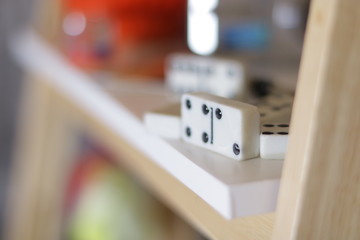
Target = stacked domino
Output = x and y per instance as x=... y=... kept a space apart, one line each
x=227 y=127
x=274 y=140
x=219 y=76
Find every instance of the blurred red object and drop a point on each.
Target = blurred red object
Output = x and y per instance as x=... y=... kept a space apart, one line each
x=90 y=163
x=124 y=34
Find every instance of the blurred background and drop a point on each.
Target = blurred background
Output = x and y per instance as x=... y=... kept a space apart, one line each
x=134 y=38
x=13 y=15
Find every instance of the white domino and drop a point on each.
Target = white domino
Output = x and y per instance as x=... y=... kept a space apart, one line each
x=191 y=73
x=225 y=126
x=164 y=122
x=274 y=140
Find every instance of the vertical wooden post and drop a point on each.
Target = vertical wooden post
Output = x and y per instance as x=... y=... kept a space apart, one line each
x=47 y=18
x=320 y=192
x=32 y=138
x=42 y=163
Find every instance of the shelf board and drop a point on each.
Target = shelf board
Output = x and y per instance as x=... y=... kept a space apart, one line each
x=232 y=188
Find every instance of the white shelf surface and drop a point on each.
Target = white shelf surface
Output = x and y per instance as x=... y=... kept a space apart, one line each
x=234 y=189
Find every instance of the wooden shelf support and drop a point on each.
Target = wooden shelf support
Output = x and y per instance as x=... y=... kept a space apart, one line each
x=319 y=196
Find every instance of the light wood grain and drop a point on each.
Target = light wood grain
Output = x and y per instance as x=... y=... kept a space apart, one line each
x=25 y=177
x=319 y=196
x=47 y=18
x=42 y=163
x=58 y=156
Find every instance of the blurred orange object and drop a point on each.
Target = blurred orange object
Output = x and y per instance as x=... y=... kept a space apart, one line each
x=124 y=34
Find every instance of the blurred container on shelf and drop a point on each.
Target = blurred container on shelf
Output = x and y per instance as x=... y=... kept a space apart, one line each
x=131 y=37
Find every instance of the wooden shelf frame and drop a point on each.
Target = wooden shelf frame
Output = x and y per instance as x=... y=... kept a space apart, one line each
x=49 y=171
x=319 y=196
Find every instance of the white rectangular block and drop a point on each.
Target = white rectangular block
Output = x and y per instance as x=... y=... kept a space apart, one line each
x=214 y=75
x=274 y=140
x=225 y=126
x=164 y=122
